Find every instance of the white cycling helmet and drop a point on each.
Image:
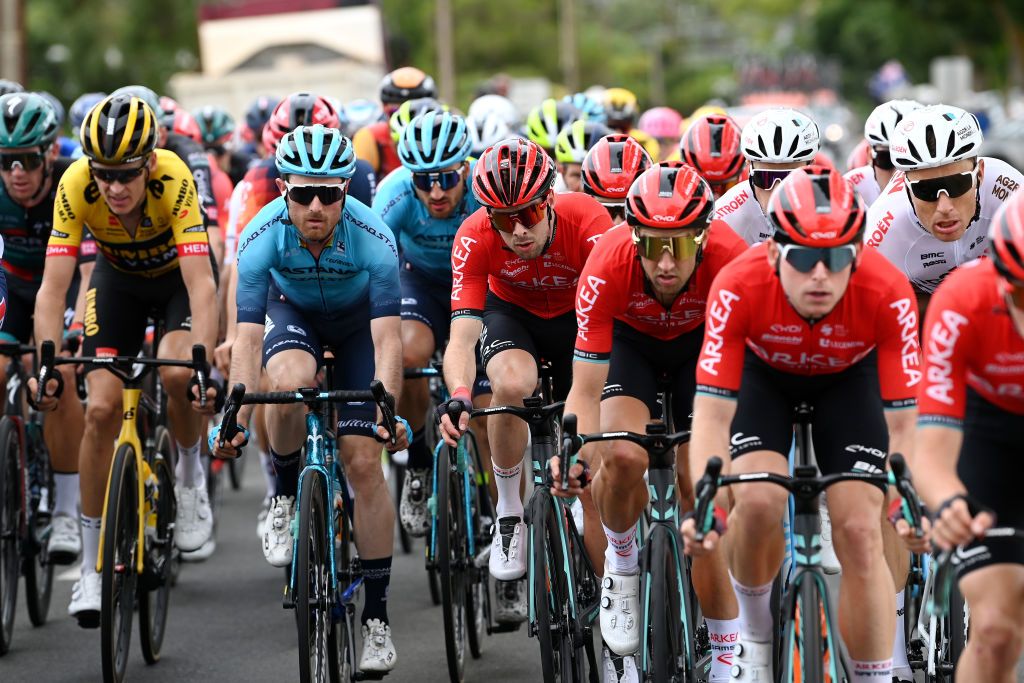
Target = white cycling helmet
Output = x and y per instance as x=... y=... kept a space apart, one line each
x=780 y=136
x=884 y=119
x=487 y=131
x=486 y=105
x=935 y=136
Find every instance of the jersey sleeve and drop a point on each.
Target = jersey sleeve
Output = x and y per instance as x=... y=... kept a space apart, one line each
x=720 y=365
x=899 y=352
x=596 y=299
x=365 y=146
x=381 y=262
x=594 y=221
x=947 y=339
x=470 y=262
x=257 y=254
x=187 y=223
x=390 y=202
x=69 y=207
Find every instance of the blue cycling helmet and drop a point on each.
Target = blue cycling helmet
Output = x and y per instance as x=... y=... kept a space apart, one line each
x=58 y=106
x=81 y=106
x=433 y=141
x=316 y=151
x=592 y=109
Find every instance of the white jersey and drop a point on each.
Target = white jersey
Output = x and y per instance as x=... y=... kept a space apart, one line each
x=893 y=228
x=863 y=181
x=739 y=208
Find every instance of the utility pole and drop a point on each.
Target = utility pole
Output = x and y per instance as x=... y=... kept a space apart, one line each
x=567 y=44
x=445 y=33
x=12 y=40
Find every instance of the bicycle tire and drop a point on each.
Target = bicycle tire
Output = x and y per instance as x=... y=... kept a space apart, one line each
x=120 y=529
x=451 y=553
x=36 y=565
x=803 y=654
x=477 y=578
x=663 y=613
x=398 y=475
x=343 y=655
x=155 y=588
x=236 y=472
x=10 y=515
x=959 y=624
x=313 y=598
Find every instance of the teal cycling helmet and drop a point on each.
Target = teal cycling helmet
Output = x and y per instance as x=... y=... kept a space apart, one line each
x=27 y=120
x=591 y=109
x=433 y=141
x=216 y=125
x=316 y=151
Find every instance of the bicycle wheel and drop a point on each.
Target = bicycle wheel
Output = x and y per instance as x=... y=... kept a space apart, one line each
x=663 y=612
x=155 y=586
x=807 y=653
x=313 y=597
x=36 y=565
x=451 y=561
x=476 y=582
x=398 y=476
x=236 y=472
x=120 y=545
x=549 y=592
x=10 y=497
x=959 y=623
x=342 y=654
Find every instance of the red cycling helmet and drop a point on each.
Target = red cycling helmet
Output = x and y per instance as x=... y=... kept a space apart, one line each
x=712 y=146
x=512 y=173
x=186 y=124
x=1006 y=240
x=611 y=166
x=298 y=109
x=669 y=196
x=815 y=206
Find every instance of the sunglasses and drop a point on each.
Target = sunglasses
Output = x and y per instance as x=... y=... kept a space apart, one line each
x=29 y=161
x=954 y=186
x=446 y=179
x=327 y=194
x=804 y=259
x=880 y=158
x=680 y=247
x=121 y=175
x=528 y=216
x=766 y=178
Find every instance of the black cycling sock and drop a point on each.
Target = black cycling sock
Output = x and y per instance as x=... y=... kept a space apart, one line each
x=376 y=578
x=287 y=469
x=420 y=457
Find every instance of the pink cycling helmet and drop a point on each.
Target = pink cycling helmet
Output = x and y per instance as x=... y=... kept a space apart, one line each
x=661 y=122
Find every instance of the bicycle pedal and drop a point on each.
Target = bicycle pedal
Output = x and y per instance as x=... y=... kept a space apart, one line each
x=289 y=599
x=88 y=620
x=506 y=627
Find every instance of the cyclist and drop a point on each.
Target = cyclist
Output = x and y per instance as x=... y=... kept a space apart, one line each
x=609 y=169
x=621 y=111
x=571 y=146
x=216 y=128
x=712 y=146
x=870 y=178
x=809 y=316
x=76 y=114
x=315 y=269
x=664 y=124
x=491 y=118
x=515 y=264
x=970 y=431
x=936 y=214
x=409 y=110
x=547 y=119
x=589 y=108
x=374 y=142
x=141 y=206
x=774 y=142
x=424 y=203
x=640 y=317
x=29 y=172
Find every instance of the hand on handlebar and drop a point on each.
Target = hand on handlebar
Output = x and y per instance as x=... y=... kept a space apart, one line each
x=401 y=438
x=578 y=479
x=228 y=449
x=692 y=546
x=958 y=521
x=450 y=431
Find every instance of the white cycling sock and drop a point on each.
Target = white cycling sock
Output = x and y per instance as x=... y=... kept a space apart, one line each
x=872 y=672
x=900 y=665
x=90 y=541
x=621 y=554
x=65 y=494
x=755 y=610
x=723 y=633
x=507 y=482
x=189 y=471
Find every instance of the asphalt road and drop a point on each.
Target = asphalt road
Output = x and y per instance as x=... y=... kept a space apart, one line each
x=227 y=623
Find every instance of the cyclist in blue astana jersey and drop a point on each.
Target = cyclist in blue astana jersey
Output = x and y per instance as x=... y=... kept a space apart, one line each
x=424 y=202
x=316 y=268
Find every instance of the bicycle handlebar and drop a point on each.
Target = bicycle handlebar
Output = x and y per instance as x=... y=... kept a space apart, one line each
x=905 y=485
x=530 y=415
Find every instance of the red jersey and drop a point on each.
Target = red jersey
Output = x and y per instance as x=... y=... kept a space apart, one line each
x=970 y=340
x=748 y=309
x=613 y=287
x=544 y=286
x=222 y=189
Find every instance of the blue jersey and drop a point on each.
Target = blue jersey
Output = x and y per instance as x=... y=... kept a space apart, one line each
x=426 y=241
x=358 y=267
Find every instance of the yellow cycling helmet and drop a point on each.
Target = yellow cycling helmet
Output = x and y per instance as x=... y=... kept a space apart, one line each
x=409 y=110
x=620 y=105
x=119 y=130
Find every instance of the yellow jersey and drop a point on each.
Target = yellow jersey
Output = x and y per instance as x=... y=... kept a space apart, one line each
x=171 y=225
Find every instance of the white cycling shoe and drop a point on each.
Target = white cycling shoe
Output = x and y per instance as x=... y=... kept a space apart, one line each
x=829 y=561
x=193 y=524
x=86 y=599
x=620 y=611
x=65 y=542
x=751 y=662
x=277 y=531
x=379 y=654
x=508 y=549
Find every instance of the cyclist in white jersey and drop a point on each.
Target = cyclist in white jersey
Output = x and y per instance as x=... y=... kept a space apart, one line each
x=774 y=142
x=935 y=215
x=868 y=180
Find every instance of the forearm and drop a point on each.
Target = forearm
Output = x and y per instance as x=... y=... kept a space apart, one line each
x=84 y=276
x=934 y=465
x=245 y=362
x=460 y=356
x=584 y=400
x=205 y=318
x=712 y=418
x=901 y=424
x=49 y=314
x=388 y=362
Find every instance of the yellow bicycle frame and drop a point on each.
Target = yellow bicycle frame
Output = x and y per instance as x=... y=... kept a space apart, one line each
x=130 y=399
